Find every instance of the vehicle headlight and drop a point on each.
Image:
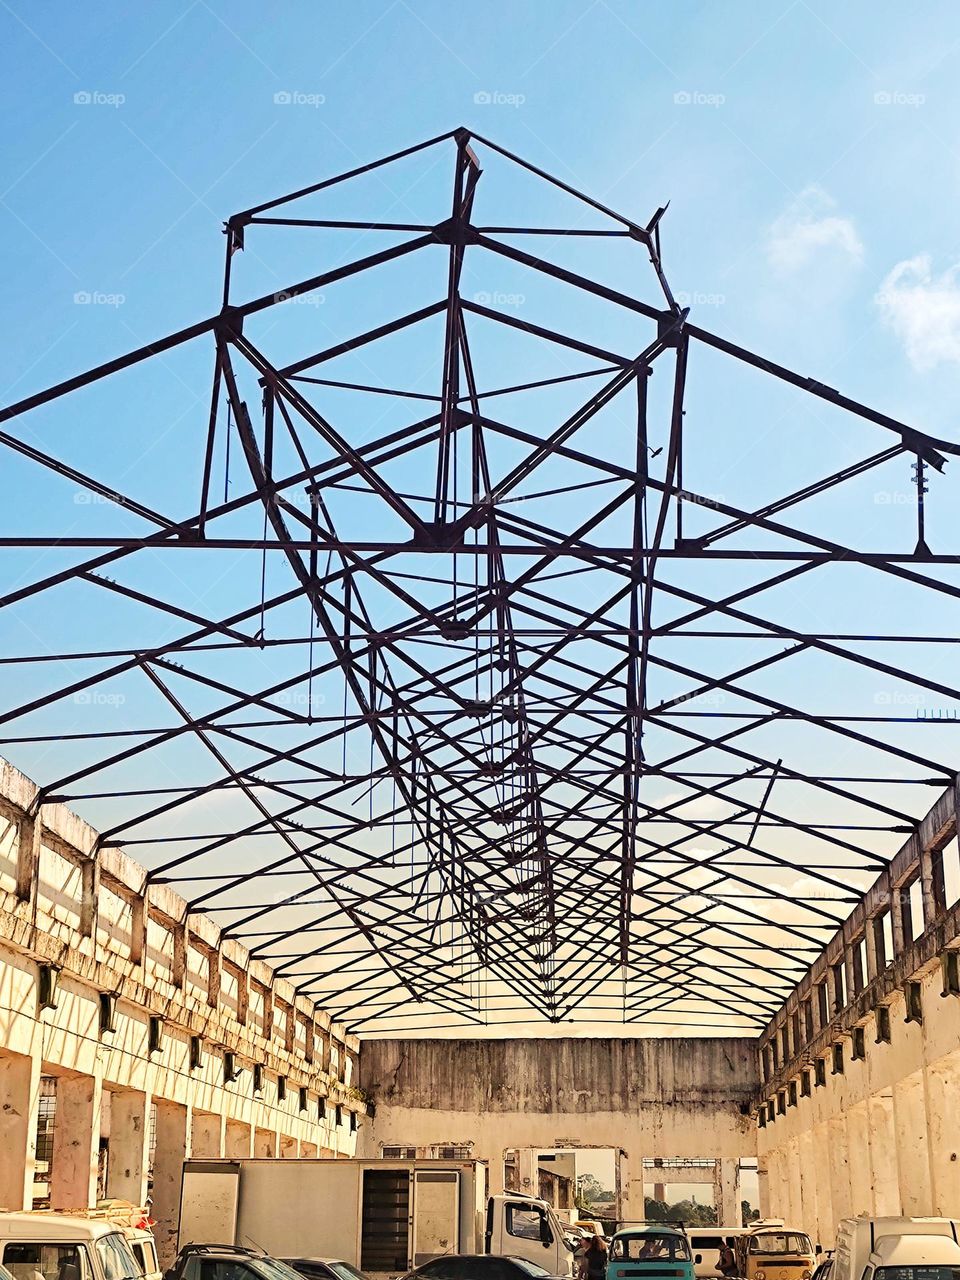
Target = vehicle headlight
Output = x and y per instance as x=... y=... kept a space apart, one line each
x=761 y=1275
x=807 y=1275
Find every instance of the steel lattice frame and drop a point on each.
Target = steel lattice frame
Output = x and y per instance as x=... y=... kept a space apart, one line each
x=500 y=607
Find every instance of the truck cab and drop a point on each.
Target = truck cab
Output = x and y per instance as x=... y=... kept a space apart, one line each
x=773 y=1251
x=897 y=1249
x=523 y=1227
x=650 y=1251
x=54 y=1246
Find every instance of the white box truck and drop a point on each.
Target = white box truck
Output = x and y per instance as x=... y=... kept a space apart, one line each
x=897 y=1249
x=383 y=1216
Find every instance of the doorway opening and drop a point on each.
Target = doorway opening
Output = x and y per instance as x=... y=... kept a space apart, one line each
x=580 y=1183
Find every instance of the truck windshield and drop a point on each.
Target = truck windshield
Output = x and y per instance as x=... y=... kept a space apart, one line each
x=651 y=1248
x=116 y=1260
x=780 y=1242
x=917 y=1273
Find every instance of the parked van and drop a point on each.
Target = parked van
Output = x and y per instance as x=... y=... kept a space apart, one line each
x=135 y=1223
x=55 y=1246
x=772 y=1251
x=650 y=1251
x=706 y=1243
x=897 y=1249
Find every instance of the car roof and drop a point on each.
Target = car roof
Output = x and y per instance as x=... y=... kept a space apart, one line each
x=54 y=1226
x=651 y=1229
x=323 y=1262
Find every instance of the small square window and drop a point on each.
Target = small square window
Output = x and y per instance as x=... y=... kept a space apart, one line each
x=913 y=995
x=883 y=1024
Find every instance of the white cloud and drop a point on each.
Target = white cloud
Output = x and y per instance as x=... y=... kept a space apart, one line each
x=923 y=310
x=808 y=228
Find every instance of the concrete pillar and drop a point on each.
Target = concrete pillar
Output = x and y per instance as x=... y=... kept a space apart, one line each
x=828 y=1219
x=19 y=1099
x=76 y=1143
x=794 y=1183
x=173 y=1147
x=207 y=1135
x=809 y=1183
x=913 y=1156
x=632 y=1188
x=942 y=1093
x=265 y=1143
x=238 y=1140
x=763 y=1186
x=127 y=1171
x=883 y=1156
x=839 y=1168
x=776 y=1185
x=861 y=1171
x=728 y=1204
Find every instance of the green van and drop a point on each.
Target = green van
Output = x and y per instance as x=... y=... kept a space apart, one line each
x=650 y=1251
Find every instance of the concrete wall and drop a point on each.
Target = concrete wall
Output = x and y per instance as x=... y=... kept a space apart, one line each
x=859 y=1104
x=92 y=919
x=643 y=1098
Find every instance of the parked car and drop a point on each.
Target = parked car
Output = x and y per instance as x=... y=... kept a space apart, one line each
x=324 y=1268
x=59 y=1246
x=227 y=1262
x=479 y=1266
x=824 y=1270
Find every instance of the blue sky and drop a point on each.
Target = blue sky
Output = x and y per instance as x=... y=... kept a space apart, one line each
x=819 y=151
x=809 y=153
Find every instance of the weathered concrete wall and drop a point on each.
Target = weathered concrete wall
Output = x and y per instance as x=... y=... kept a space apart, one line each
x=95 y=921
x=861 y=1092
x=568 y=1076
x=644 y=1098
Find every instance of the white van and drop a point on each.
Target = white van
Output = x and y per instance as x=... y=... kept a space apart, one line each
x=705 y=1245
x=897 y=1249
x=56 y=1246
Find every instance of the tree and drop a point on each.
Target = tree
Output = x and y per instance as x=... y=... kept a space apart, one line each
x=589 y=1188
x=689 y=1212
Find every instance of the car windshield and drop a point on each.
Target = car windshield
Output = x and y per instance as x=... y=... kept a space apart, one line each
x=780 y=1242
x=116 y=1260
x=652 y=1247
x=917 y=1273
x=531 y=1268
x=275 y=1269
x=345 y=1271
